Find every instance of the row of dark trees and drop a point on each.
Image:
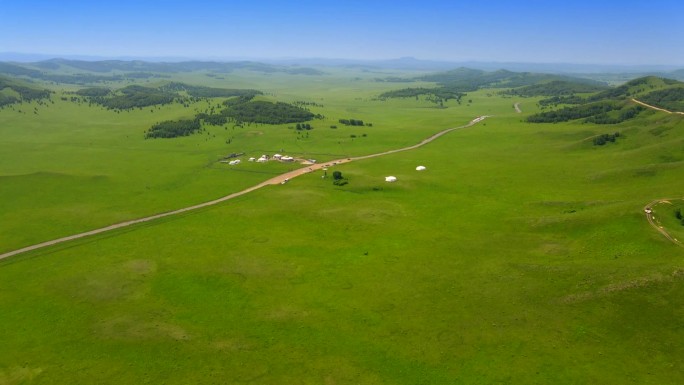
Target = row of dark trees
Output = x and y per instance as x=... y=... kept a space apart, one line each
x=556 y=100
x=438 y=93
x=605 y=138
x=354 y=122
x=173 y=129
x=239 y=109
x=572 y=113
x=136 y=96
x=133 y=96
x=260 y=111
x=556 y=88
x=625 y=114
x=301 y=103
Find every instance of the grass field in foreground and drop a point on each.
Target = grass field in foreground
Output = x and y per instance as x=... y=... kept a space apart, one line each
x=521 y=255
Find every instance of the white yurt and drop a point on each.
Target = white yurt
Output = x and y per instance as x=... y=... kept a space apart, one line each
x=390 y=179
x=420 y=168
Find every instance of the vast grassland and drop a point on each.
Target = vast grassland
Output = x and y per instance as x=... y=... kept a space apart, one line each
x=521 y=255
x=72 y=167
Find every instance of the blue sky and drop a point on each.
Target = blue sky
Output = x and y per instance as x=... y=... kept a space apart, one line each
x=601 y=32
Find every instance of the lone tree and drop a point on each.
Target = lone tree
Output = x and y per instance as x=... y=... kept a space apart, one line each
x=337 y=175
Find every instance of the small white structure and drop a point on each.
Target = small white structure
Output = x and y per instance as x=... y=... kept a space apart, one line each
x=390 y=179
x=262 y=159
x=286 y=158
x=234 y=162
x=252 y=159
x=420 y=168
x=277 y=156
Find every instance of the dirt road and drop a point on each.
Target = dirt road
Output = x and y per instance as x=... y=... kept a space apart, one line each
x=656 y=108
x=276 y=180
x=648 y=210
x=517 y=108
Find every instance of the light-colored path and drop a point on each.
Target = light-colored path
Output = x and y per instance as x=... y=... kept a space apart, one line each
x=649 y=207
x=517 y=107
x=652 y=221
x=656 y=108
x=276 y=180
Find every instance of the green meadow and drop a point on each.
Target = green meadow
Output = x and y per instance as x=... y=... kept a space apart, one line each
x=521 y=255
x=71 y=167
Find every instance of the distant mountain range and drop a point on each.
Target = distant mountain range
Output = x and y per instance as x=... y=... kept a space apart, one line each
x=405 y=63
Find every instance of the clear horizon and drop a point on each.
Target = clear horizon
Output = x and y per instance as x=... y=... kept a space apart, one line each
x=631 y=33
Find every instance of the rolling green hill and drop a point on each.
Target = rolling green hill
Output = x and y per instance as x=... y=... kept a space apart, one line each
x=454 y=84
x=557 y=88
x=613 y=105
x=520 y=255
x=15 y=91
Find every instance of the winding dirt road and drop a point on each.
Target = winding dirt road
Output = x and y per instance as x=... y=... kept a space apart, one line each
x=517 y=107
x=648 y=210
x=276 y=180
x=656 y=108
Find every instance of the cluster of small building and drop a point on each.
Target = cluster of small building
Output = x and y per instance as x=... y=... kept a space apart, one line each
x=265 y=158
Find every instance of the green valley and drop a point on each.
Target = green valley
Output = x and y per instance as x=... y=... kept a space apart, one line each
x=520 y=253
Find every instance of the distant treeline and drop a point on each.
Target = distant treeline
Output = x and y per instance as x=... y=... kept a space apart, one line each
x=136 y=96
x=443 y=93
x=610 y=106
x=623 y=115
x=556 y=100
x=301 y=103
x=24 y=92
x=598 y=113
x=353 y=122
x=238 y=109
x=395 y=79
x=173 y=129
x=670 y=99
x=633 y=87
x=214 y=120
x=556 y=88
x=266 y=112
x=94 y=92
x=209 y=92
x=454 y=84
x=133 y=96
x=571 y=113
x=79 y=78
x=103 y=71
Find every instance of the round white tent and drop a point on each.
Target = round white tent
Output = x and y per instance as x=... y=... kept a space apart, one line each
x=420 y=168
x=390 y=179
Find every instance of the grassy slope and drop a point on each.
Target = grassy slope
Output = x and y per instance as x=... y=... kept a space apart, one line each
x=520 y=256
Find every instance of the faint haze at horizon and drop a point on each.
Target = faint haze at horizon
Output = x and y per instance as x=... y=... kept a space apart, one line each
x=628 y=32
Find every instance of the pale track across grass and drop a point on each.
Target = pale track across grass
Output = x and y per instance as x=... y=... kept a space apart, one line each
x=273 y=181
